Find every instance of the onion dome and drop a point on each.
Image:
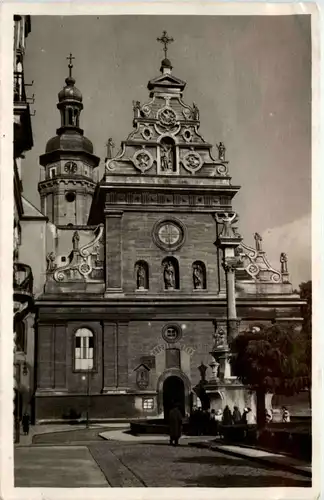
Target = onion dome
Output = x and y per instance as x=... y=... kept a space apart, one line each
x=70 y=92
x=69 y=140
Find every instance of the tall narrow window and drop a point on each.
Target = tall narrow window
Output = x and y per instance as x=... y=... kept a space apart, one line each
x=83 y=351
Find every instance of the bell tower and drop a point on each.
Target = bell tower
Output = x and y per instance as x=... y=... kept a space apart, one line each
x=67 y=189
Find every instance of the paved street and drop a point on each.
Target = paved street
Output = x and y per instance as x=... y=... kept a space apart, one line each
x=57 y=466
x=156 y=464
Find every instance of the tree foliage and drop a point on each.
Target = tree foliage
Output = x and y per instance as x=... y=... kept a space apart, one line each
x=271 y=359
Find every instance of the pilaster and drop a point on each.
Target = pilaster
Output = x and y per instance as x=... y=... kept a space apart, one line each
x=114 y=252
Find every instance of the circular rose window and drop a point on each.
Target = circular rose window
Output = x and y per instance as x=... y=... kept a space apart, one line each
x=168 y=234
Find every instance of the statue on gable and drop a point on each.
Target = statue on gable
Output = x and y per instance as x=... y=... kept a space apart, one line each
x=284 y=263
x=137 y=109
x=195 y=112
x=258 y=242
x=227 y=221
x=50 y=259
x=141 y=277
x=169 y=275
x=221 y=151
x=198 y=277
x=75 y=241
x=166 y=157
x=110 y=148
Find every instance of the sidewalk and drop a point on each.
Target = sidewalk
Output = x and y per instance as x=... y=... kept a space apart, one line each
x=275 y=460
x=51 y=428
x=123 y=435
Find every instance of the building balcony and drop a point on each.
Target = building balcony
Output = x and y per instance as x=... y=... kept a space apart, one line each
x=23 y=136
x=22 y=284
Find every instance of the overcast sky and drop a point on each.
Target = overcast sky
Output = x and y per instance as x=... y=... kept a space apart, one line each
x=250 y=77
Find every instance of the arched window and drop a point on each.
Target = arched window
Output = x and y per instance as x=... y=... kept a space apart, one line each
x=83 y=351
x=142 y=275
x=199 y=275
x=171 y=273
x=70 y=115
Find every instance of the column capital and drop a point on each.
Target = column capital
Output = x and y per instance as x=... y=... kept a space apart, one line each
x=230 y=264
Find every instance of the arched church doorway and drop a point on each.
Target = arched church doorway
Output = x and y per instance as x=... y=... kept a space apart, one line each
x=173 y=393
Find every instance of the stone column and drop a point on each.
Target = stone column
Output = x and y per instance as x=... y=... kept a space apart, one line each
x=232 y=321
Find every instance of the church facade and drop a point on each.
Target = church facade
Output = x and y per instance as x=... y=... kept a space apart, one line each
x=148 y=278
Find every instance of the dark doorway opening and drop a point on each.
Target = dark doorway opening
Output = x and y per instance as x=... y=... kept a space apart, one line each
x=173 y=394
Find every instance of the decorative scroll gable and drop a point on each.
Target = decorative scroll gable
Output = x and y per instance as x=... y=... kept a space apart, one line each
x=254 y=264
x=84 y=264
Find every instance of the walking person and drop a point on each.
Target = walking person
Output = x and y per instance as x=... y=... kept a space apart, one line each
x=218 y=421
x=25 y=423
x=285 y=415
x=237 y=417
x=227 y=416
x=250 y=417
x=175 y=425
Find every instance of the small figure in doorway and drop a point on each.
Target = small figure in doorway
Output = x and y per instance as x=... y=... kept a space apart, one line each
x=175 y=425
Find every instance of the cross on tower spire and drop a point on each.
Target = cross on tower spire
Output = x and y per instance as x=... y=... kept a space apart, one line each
x=165 y=39
x=70 y=57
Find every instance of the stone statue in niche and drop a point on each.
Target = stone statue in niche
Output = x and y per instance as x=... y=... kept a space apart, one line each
x=141 y=277
x=258 y=242
x=75 y=241
x=169 y=275
x=221 y=151
x=167 y=157
x=50 y=259
x=284 y=262
x=198 y=277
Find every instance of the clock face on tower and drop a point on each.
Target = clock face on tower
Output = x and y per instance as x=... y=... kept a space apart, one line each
x=70 y=167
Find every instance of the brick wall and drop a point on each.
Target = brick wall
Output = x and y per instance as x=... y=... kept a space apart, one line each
x=137 y=244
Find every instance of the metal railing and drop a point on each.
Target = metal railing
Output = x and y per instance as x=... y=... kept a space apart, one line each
x=19 y=87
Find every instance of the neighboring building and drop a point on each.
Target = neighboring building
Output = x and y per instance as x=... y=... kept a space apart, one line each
x=22 y=272
x=139 y=304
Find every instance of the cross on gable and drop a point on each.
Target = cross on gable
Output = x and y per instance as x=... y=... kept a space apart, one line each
x=70 y=58
x=165 y=39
